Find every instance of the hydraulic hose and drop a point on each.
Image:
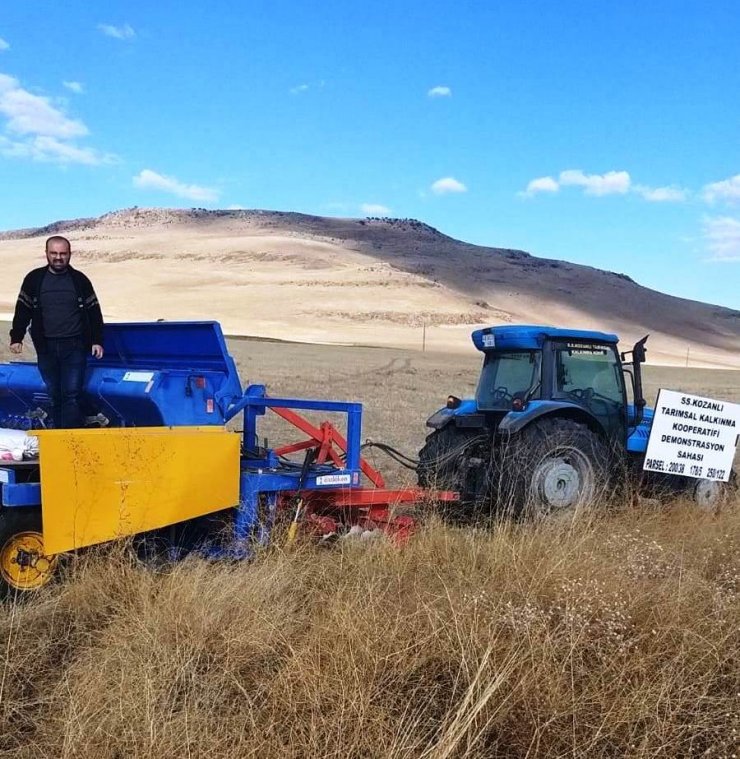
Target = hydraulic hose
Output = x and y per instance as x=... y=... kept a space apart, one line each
x=395 y=454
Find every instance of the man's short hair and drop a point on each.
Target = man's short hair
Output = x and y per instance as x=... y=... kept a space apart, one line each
x=57 y=238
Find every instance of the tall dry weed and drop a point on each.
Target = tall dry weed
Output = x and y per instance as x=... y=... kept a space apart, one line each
x=611 y=635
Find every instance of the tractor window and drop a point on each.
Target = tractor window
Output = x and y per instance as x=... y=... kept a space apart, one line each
x=589 y=374
x=507 y=375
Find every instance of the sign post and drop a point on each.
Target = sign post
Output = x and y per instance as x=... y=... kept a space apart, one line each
x=693 y=436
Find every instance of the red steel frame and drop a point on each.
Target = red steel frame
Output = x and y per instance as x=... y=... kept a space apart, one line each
x=368 y=507
x=324 y=438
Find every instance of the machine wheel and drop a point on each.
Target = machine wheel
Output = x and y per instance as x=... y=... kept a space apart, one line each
x=24 y=567
x=442 y=457
x=554 y=466
x=712 y=496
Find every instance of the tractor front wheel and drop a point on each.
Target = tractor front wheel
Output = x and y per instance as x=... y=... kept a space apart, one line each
x=24 y=565
x=554 y=466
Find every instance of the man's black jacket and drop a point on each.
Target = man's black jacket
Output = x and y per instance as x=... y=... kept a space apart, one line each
x=28 y=310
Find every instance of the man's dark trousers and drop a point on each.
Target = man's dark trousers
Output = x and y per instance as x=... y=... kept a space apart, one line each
x=62 y=365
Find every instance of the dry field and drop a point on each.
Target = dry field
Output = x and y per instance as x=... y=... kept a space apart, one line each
x=356 y=281
x=617 y=635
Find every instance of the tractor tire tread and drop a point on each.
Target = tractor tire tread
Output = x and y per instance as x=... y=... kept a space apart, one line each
x=517 y=463
x=437 y=458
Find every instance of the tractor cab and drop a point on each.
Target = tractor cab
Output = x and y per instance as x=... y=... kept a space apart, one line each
x=529 y=371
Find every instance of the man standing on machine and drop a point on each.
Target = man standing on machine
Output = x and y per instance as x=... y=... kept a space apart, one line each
x=60 y=304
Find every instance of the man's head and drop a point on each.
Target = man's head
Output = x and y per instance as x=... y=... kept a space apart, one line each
x=58 y=253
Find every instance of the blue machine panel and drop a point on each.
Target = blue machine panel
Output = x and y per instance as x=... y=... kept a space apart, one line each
x=638 y=439
x=14 y=493
x=152 y=373
x=21 y=494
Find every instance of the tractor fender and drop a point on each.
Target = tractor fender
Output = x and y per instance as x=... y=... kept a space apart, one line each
x=440 y=419
x=516 y=421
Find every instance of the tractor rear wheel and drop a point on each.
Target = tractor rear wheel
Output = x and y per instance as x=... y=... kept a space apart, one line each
x=554 y=466
x=713 y=496
x=24 y=566
x=442 y=459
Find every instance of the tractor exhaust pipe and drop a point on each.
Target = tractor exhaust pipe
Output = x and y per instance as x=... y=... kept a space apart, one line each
x=638 y=357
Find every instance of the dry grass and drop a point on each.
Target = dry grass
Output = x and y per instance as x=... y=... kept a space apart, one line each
x=616 y=635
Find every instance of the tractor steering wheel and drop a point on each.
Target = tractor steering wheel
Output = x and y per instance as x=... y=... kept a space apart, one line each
x=582 y=395
x=502 y=393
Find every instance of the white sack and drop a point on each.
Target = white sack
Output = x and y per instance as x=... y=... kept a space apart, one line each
x=16 y=445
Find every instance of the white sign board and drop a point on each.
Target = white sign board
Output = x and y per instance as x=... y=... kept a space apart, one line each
x=693 y=436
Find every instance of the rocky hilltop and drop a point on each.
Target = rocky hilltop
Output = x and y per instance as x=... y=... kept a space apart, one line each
x=373 y=280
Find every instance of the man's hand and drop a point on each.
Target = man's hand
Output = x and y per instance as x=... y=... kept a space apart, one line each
x=97 y=351
x=16 y=347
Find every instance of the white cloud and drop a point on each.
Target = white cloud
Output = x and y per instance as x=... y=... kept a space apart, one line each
x=440 y=91
x=374 y=209
x=541 y=184
x=448 y=185
x=52 y=150
x=616 y=183
x=38 y=129
x=150 y=180
x=613 y=182
x=4 y=45
x=305 y=87
x=728 y=190
x=124 y=32
x=74 y=87
x=14 y=149
x=722 y=237
x=33 y=114
x=669 y=194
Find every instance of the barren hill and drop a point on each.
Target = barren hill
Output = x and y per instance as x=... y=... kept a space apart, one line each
x=373 y=281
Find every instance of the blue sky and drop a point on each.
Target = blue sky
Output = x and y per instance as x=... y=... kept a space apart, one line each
x=604 y=133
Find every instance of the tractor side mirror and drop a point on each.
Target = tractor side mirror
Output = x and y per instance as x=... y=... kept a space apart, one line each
x=638 y=352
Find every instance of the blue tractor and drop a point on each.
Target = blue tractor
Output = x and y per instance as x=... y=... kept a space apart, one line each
x=558 y=420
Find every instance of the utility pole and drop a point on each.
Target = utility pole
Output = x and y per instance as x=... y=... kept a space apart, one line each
x=688 y=349
x=423 y=335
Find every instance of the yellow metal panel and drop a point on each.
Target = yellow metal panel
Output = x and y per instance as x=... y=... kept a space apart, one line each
x=102 y=484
